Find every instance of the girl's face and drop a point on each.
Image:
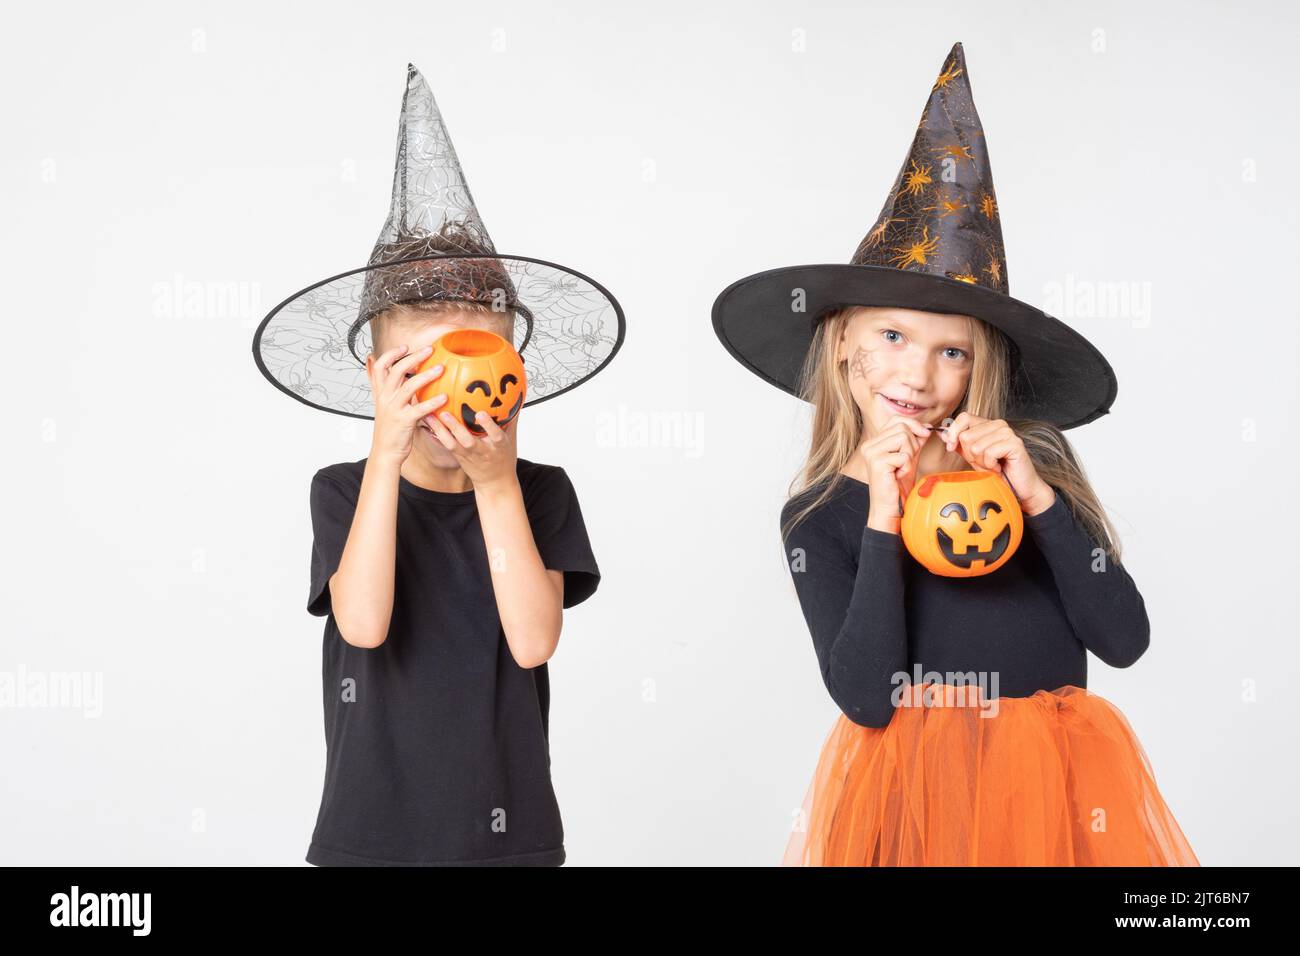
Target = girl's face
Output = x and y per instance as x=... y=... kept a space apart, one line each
x=922 y=358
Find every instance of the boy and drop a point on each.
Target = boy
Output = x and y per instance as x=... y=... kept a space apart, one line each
x=442 y=561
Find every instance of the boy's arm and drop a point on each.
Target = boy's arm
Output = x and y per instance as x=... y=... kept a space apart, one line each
x=529 y=596
x=361 y=590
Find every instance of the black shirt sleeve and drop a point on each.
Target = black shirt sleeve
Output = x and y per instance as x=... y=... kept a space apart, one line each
x=560 y=533
x=332 y=508
x=853 y=604
x=1101 y=600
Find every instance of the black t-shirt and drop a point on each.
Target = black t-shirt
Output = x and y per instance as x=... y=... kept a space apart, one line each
x=874 y=611
x=437 y=748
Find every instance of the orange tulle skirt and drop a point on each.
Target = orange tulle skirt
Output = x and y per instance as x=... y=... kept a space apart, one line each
x=955 y=779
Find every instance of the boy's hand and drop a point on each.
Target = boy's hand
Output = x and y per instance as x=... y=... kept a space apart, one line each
x=488 y=460
x=396 y=414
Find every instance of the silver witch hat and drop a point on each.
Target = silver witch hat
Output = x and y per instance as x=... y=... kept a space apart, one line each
x=313 y=345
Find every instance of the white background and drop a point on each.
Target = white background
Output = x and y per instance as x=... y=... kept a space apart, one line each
x=172 y=172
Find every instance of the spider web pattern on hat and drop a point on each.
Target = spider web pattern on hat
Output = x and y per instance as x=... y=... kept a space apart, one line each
x=434 y=246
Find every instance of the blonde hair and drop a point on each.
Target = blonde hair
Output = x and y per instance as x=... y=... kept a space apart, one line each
x=837 y=425
x=403 y=315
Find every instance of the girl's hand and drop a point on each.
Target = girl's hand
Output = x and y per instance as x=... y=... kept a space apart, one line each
x=891 y=463
x=992 y=445
x=489 y=460
x=396 y=414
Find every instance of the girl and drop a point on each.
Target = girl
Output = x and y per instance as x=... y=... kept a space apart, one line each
x=1048 y=774
x=967 y=735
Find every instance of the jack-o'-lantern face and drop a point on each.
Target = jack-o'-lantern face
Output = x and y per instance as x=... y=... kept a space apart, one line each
x=481 y=397
x=962 y=523
x=481 y=373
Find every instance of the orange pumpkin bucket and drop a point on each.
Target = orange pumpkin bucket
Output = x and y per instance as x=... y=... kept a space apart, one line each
x=481 y=373
x=962 y=524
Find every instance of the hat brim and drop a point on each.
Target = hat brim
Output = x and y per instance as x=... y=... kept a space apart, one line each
x=1057 y=375
x=306 y=346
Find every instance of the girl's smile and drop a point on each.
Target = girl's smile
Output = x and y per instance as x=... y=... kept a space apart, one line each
x=900 y=408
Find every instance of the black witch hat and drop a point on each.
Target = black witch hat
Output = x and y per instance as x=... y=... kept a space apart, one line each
x=434 y=245
x=937 y=247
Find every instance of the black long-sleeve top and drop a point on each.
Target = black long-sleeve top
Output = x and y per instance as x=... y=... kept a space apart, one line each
x=874 y=611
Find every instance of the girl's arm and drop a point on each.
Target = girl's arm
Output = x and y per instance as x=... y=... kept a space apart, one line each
x=1101 y=601
x=855 y=614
